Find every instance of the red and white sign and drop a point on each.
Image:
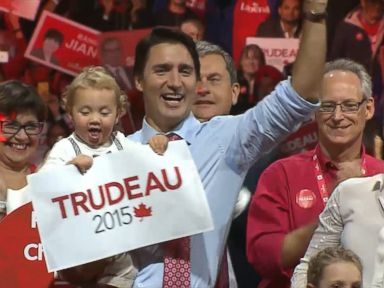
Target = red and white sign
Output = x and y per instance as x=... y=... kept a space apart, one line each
x=278 y=51
x=22 y=262
x=23 y=8
x=77 y=50
x=302 y=140
x=21 y=253
x=127 y=200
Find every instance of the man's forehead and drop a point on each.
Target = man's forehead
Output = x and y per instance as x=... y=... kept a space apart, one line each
x=341 y=76
x=212 y=59
x=165 y=53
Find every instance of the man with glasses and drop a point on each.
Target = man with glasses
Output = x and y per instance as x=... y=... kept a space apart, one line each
x=292 y=192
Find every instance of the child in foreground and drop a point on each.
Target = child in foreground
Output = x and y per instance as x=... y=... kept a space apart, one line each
x=95 y=103
x=334 y=267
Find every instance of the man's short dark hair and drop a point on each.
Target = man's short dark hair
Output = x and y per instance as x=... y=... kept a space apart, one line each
x=55 y=35
x=280 y=2
x=159 y=36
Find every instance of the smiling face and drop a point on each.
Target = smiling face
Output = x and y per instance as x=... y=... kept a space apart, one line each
x=168 y=84
x=215 y=94
x=17 y=149
x=340 y=129
x=340 y=274
x=94 y=115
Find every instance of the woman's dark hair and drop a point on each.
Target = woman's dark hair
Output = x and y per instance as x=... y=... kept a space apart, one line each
x=163 y=35
x=16 y=96
x=258 y=52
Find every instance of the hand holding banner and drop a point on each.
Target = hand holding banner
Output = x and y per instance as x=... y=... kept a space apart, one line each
x=127 y=200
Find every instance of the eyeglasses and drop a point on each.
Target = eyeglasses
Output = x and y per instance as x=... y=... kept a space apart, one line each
x=347 y=106
x=13 y=127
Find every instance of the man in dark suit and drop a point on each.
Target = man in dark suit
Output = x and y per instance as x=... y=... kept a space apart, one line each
x=112 y=59
x=287 y=25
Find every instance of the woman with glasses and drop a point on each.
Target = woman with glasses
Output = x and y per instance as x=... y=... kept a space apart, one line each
x=22 y=116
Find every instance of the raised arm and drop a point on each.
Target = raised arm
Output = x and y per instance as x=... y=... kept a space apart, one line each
x=308 y=68
x=284 y=110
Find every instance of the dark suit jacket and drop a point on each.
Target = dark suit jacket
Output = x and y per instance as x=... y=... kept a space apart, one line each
x=271 y=28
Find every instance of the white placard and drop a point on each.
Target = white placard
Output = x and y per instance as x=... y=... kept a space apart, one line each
x=23 y=8
x=4 y=57
x=278 y=51
x=128 y=199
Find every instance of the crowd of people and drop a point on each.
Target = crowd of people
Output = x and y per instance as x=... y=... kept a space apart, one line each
x=198 y=79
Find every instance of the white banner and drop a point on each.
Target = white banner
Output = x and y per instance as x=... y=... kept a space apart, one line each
x=278 y=51
x=23 y=8
x=128 y=199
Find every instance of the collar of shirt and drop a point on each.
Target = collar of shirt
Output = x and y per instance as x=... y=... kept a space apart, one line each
x=286 y=33
x=326 y=163
x=186 y=129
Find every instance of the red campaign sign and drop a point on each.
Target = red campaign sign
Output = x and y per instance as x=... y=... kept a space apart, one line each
x=62 y=44
x=22 y=262
x=302 y=140
x=22 y=8
x=247 y=16
x=197 y=6
x=21 y=256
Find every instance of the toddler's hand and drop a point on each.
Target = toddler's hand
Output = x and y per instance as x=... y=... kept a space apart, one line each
x=159 y=143
x=82 y=162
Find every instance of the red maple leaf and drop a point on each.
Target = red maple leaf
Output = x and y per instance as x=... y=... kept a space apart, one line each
x=142 y=211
